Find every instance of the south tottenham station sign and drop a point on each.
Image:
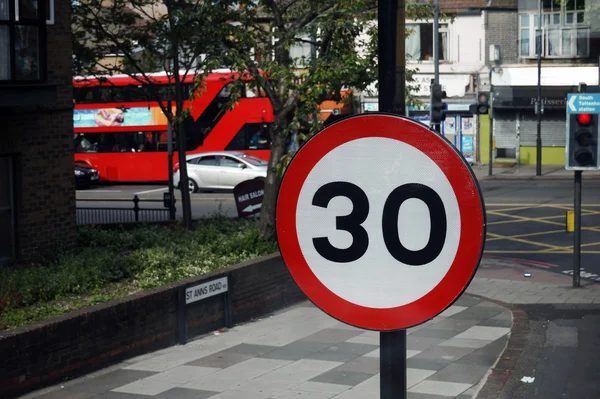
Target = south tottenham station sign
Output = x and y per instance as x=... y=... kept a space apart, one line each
x=380 y=221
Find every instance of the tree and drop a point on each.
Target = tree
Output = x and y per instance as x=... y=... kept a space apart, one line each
x=181 y=37
x=343 y=37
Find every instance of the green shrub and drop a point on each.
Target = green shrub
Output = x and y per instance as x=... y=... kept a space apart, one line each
x=145 y=256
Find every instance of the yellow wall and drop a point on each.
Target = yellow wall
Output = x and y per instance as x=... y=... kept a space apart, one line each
x=550 y=155
x=484 y=137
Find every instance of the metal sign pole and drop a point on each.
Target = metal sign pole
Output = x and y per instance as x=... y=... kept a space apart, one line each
x=491 y=127
x=538 y=106
x=436 y=58
x=577 y=232
x=391 y=96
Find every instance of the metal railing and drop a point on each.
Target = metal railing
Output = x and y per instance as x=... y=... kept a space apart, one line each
x=109 y=214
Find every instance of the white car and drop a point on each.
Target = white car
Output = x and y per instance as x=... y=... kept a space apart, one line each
x=220 y=170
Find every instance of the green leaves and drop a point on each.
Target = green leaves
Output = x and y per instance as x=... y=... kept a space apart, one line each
x=141 y=257
x=140 y=37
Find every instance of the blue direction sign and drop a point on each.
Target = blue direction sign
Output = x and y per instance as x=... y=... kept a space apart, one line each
x=583 y=103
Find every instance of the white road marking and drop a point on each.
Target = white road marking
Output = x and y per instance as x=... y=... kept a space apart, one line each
x=152 y=191
x=99 y=191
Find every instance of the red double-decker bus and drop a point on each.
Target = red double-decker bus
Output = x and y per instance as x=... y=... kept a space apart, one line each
x=122 y=133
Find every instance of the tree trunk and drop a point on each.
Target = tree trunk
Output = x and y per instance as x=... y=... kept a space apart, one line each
x=280 y=144
x=183 y=178
x=183 y=181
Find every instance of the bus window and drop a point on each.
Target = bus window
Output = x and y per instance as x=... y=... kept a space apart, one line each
x=196 y=131
x=252 y=91
x=252 y=136
x=85 y=95
x=121 y=142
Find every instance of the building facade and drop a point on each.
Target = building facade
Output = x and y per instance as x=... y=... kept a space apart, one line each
x=37 y=193
x=462 y=55
x=570 y=47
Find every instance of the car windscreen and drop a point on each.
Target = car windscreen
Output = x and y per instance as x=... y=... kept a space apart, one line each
x=252 y=160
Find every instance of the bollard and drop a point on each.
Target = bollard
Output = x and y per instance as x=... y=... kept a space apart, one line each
x=570 y=221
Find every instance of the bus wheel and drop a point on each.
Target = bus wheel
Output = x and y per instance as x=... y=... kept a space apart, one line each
x=192 y=186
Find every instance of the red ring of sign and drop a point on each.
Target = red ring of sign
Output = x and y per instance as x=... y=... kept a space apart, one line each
x=467 y=193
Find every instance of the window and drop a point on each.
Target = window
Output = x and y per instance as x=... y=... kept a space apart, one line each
x=564 y=34
x=229 y=162
x=22 y=40
x=419 y=42
x=121 y=142
x=252 y=136
x=252 y=160
x=300 y=51
x=7 y=225
x=115 y=94
x=525 y=34
x=207 y=161
x=50 y=12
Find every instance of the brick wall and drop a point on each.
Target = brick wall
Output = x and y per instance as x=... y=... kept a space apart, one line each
x=502 y=28
x=92 y=338
x=40 y=139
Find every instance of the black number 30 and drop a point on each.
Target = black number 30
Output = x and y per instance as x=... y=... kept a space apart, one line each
x=352 y=223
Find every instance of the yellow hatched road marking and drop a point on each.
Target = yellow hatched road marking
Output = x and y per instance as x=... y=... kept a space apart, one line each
x=544 y=251
x=527 y=235
x=570 y=247
x=538 y=205
x=524 y=219
x=519 y=208
x=538 y=244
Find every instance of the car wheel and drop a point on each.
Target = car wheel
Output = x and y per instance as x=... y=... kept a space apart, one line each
x=192 y=186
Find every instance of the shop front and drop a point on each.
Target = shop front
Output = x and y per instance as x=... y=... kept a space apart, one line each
x=515 y=123
x=459 y=127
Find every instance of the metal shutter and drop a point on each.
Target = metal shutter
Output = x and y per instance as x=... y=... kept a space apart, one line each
x=505 y=129
x=553 y=129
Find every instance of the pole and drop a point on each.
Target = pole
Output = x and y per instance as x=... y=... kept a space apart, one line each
x=399 y=105
x=577 y=232
x=181 y=316
x=392 y=364
x=491 y=148
x=170 y=166
x=436 y=58
x=436 y=41
x=386 y=19
x=538 y=142
x=491 y=127
x=390 y=18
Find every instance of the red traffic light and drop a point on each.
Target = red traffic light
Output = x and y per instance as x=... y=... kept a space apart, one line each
x=584 y=119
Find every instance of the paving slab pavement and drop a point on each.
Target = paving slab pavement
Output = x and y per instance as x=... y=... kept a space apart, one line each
x=303 y=353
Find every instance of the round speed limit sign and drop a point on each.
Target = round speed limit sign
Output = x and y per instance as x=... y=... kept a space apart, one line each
x=380 y=222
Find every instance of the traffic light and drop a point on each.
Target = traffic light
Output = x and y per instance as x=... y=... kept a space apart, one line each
x=483 y=102
x=582 y=142
x=438 y=106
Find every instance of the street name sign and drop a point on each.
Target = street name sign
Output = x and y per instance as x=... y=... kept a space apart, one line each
x=380 y=221
x=206 y=290
x=583 y=103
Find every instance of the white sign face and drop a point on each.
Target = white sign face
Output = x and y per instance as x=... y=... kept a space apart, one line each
x=377 y=279
x=206 y=290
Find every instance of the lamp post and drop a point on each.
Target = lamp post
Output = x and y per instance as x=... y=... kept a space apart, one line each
x=491 y=126
x=436 y=61
x=538 y=105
